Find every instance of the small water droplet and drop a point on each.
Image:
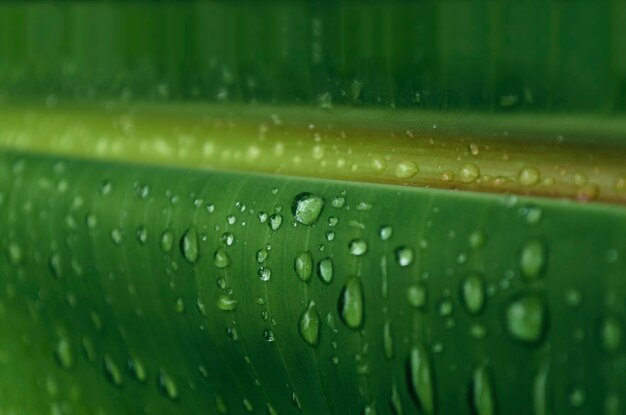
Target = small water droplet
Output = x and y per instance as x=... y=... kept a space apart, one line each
x=166 y=385
x=309 y=325
x=529 y=176
x=388 y=340
x=112 y=370
x=482 y=396
x=137 y=369
x=404 y=256
x=421 y=379
x=275 y=221
x=189 y=246
x=417 y=296
x=357 y=247
x=351 y=303
x=227 y=238
x=141 y=234
x=261 y=255
x=63 y=353
x=325 y=270
x=226 y=303
x=264 y=273
x=221 y=259
x=268 y=336
x=477 y=239
x=406 y=170
x=338 y=202
x=116 y=236
x=166 y=241
x=526 y=318
x=469 y=173
x=533 y=258
x=303 y=265
x=473 y=293
x=611 y=333
x=385 y=233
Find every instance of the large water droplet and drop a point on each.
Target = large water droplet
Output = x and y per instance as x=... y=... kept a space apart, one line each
x=325 y=270
x=261 y=255
x=385 y=233
x=303 y=265
x=526 y=318
x=309 y=325
x=421 y=378
x=351 y=303
x=189 y=245
x=473 y=293
x=307 y=207
x=533 y=259
x=482 y=396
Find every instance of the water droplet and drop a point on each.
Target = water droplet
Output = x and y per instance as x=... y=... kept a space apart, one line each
x=268 y=336
x=226 y=303
x=189 y=245
x=325 y=270
x=540 y=392
x=526 y=319
x=63 y=353
x=473 y=293
x=275 y=221
x=533 y=258
x=179 y=306
x=221 y=258
x=477 y=239
x=395 y=400
x=532 y=214
x=385 y=233
x=55 y=265
x=264 y=273
x=388 y=340
x=529 y=176
x=116 y=236
x=303 y=265
x=338 y=202
x=351 y=303
x=231 y=219
x=247 y=405
x=469 y=173
x=261 y=255
x=421 y=379
x=611 y=333
x=227 y=238
x=112 y=370
x=137 y=369
x=91 y=221
x=309 y=325
x=167 y=386
x=307 y=207
x=482 y=396
x=417 y=296
x=357 y=247
x=577 y=397
x=406 y=170
x=445 y=307
x=106 y=187
x=404 y=256
x=166 y=241
x=333 y=221
x=141 y=234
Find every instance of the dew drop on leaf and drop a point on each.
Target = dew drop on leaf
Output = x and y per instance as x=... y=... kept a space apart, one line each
x=189 y=246
x=351 y=303
x=307 y=208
